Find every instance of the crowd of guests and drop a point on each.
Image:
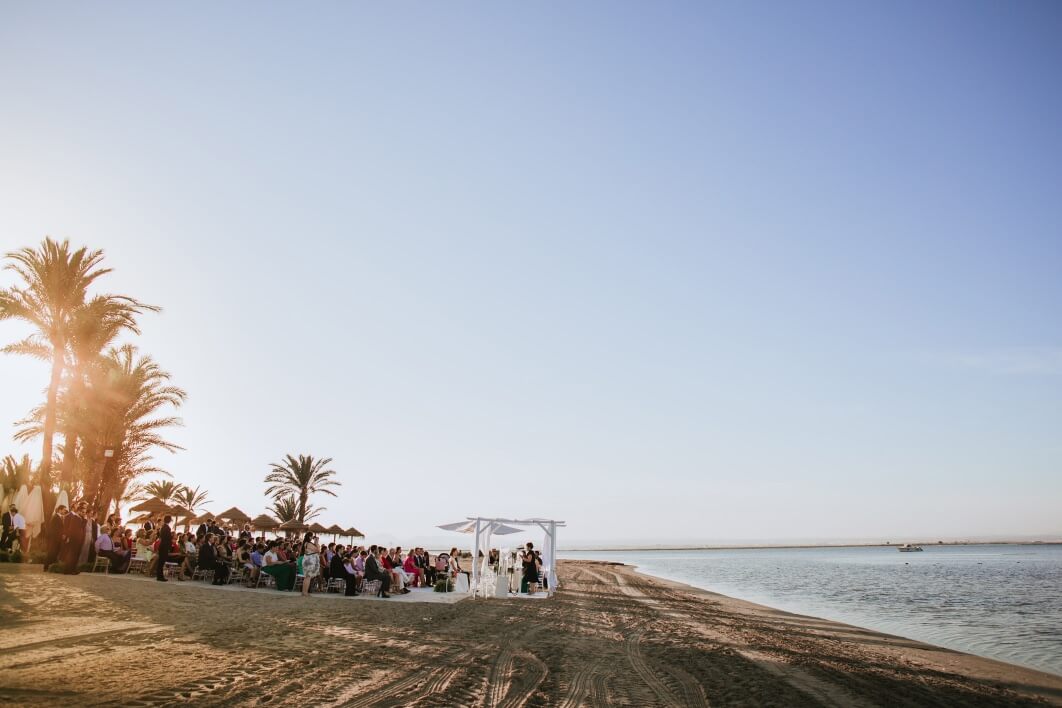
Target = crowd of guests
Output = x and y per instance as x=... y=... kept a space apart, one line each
x=228 y=553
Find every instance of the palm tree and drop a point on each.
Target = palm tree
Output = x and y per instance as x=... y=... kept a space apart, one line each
x=299 y=479
x=93 y=327
x=285 y=509
x=190 y=499
x=14 y=473
x=127 y=392
x=163 y=490
x=55 y=282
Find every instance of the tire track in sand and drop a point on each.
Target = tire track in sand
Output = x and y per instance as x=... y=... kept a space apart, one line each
x=691 y=690
x=385 y=694
x=521 y=691
x=581 y=686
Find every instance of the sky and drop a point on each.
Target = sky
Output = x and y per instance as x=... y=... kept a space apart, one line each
x=671 y=272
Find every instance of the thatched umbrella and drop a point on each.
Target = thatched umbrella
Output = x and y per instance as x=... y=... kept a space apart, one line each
x=264 y=522
x=293 y=526
x=336 y=530
x=153 y=505
x=142 y=519
x=352 y=532
x=235 y=516
x=317 y=528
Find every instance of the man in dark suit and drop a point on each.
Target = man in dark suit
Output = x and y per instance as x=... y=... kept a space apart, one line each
x=375 y=571
x=73 y=540
x=5 y=540
x=165 y=544
x=55 y=536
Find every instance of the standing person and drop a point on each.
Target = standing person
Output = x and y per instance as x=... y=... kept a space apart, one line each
x=165 y=545
x=73 y=540
x=5 y=540
x=87 y=553
x=18 y=529
x=55 y=536
x=531 y=567
x=311 y=562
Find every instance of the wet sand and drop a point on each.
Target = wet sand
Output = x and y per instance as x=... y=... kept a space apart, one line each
x=611 y=637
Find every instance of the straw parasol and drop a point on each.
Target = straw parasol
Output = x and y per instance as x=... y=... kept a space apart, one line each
x=153 y=506
x=317 y=528
x=142 y=519
x=352 y=532
x=335 y=530
x=235 y=516
x=293 y=525
x=264 y=522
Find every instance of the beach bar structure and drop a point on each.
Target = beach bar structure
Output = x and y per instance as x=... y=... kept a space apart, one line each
x=484 y=528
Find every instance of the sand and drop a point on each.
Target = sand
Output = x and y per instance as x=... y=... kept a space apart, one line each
x=610 y=637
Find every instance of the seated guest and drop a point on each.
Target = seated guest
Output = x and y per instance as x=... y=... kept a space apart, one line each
x=374 y=570
x=387 y=563
x=257 y=560
x=190 y=552
x=282 y=571
x=426 y=568
x=105 y=546
x=224 y=551
x=455 y=565
x=143 y=546
x=350 y=575
x=243 y=555
x=412 y=569
x=211 y=558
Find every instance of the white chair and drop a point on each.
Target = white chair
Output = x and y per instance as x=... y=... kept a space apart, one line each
x=102 y=563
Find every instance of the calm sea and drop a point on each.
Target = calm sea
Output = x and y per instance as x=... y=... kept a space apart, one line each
x=1003 y=602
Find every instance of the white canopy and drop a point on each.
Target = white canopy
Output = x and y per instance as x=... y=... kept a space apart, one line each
x=484 y=528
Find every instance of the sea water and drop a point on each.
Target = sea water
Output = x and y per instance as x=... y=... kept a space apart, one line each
x=998 y=601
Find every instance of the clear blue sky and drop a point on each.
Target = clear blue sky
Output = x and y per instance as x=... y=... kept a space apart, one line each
x=696 y=271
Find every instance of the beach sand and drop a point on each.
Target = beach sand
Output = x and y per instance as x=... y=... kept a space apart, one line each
x=610 y=637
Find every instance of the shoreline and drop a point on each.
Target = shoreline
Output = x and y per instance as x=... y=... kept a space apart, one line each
x=753 y=547
x=713 y=594
x=610 y=636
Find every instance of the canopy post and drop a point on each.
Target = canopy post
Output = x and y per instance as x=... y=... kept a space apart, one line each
x=553 y=582
x=475 y=565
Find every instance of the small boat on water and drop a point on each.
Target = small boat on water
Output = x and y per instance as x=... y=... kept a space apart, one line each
x=908 y=548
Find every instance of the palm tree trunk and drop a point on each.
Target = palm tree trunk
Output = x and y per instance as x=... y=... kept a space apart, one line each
x=302 y=506
x=45 y=476
x=66 y=471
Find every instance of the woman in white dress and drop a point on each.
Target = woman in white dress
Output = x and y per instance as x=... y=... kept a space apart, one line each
x=311 y=562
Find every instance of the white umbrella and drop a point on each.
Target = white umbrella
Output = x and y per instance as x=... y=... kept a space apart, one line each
x=459 y=526
x=497 y=527
x=34 y=512
x=20 y=499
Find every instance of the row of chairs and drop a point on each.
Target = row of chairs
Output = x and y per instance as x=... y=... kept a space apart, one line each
x=238 y=575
